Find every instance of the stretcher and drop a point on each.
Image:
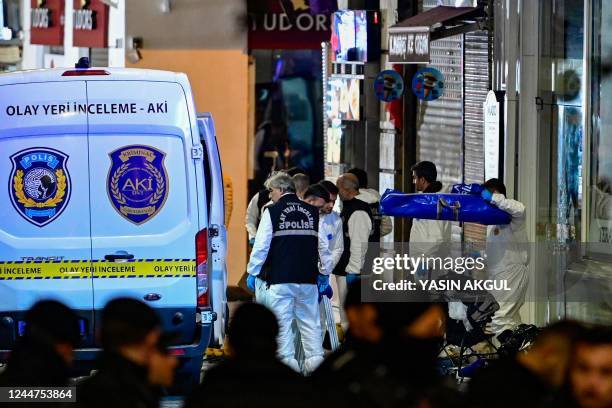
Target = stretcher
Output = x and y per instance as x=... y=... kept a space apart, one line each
x=447 y=207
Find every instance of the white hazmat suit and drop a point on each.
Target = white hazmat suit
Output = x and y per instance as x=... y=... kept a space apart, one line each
x=507 y=259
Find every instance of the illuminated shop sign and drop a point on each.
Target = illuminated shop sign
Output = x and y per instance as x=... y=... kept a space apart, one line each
x=409 y=47
x=90 y=27
x=47 y=22
x=290 y=24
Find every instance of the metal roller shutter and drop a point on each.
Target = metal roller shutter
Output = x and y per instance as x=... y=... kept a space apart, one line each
x=476 y=75
x=440 y=122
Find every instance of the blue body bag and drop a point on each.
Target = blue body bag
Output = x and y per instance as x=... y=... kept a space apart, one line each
x=448 y=207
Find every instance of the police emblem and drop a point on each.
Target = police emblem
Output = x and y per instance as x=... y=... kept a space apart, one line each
x=39 y=185
x=137 y=182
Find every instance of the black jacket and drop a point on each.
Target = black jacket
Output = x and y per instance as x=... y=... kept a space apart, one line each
x=391 y=374
x=252 y=383
x=33 y=363
x=507 y=383
x=120 y=383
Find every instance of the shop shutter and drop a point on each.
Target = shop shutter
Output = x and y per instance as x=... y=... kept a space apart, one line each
x=440 y=122
x=98 y=57
x=476 y=76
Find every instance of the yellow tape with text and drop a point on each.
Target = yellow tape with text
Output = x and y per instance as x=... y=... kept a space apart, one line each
x=84 y=269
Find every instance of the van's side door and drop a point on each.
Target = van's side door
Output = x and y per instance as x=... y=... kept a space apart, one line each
x=45 y=239
x=144 y=199
x=218 y=233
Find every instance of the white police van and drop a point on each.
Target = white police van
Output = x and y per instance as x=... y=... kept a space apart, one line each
x=111 y=185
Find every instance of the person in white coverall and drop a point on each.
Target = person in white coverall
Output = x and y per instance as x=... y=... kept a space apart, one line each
x=507 y=257
x=331 y=223
x=428 y=238
x=286 y=254
x=357 y=223
x=253 y=213
x=382 y=223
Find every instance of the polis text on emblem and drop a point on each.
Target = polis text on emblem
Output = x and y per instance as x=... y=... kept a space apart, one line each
x=39 y=185
x=137 y=182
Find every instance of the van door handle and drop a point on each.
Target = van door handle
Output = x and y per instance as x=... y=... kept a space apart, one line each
x=119 y=256
x=152 y=297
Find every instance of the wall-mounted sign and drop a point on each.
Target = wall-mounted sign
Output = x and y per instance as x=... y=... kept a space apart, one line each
x=334 y=144
x=90 y=28
x=344 y=98
x=428 y=84
x=493 y=134
x=408 y=47
x=47 y=22
x=389 y=85
x=287 y=24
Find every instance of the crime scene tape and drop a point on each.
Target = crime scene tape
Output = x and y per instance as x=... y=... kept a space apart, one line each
x=98 y=269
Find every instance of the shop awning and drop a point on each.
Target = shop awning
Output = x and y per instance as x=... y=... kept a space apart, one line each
x=409 y=39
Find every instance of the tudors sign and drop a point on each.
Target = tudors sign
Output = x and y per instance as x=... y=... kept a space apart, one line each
x=407 y=47
x=47 y=22
x=289 y=24
x=90 y=28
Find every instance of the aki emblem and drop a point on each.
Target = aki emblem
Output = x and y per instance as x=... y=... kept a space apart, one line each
x=39 y=184
x=137 y=182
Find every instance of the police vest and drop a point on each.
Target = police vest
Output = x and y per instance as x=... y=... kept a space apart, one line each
x=293 y=256
x=348 y=208
x=376 y=221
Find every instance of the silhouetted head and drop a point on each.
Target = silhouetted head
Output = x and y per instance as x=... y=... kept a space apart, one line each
x=252 y=332
x=54 y=325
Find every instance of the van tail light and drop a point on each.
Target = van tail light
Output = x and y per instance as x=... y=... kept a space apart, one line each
x=85 y=72
x=202 y=268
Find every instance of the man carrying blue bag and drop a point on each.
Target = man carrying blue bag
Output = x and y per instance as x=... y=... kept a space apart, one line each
x=428 y=237
x=507 y=256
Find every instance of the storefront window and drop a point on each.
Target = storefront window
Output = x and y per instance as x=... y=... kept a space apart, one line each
x=562 y=76
x=600 y=180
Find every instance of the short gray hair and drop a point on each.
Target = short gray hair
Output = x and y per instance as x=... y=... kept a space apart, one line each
x=349 y=182
x=281 y=181
x=301 y=182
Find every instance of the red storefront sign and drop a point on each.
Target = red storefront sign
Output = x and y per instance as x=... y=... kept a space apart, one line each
x=90 y=24
x=47 y=22
x=287 y=24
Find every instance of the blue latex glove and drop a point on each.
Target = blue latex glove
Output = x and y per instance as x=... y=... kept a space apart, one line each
x=327 y=292
x=251 y=242
x=323 y=283
x=251 y=282
x=486 y=195
x=350 y=278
